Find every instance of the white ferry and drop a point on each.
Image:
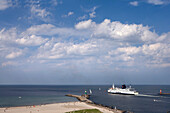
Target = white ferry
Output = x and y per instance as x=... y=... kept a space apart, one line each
x=124 y=90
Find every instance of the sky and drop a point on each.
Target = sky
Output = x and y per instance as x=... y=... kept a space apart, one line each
x=84 y=42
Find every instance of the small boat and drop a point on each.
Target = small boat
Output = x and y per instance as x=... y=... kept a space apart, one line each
x=90 y=91
x=124 y=90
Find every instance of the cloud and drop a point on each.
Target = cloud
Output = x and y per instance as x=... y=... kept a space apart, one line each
x=69 y=14
x=8 y=37
x=154 y=48
x=8 y=34
x=92 y=13
x=32 y=40
x=109 y=43
x=164 y=65
x=41 y=29
x=54 y=2
x=4 y=4
x=14 y=55
x=117 y=30
x=134 y=3
x=51 y=30
x=152 y=54
x=129 y=50
x=105 y=51
x=4 y=64
x=82 y=17
x=12 y=36
x=151 y=49
x=156 y=2
x=58 y=50
x=37 y=11
x=85 y=24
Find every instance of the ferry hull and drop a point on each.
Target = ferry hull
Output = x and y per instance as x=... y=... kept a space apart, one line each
x=122 y=93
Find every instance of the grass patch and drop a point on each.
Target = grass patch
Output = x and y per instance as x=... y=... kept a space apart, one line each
x=86 y=111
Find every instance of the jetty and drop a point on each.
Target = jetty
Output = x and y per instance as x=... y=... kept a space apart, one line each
x=163 y=93
x=84 y=98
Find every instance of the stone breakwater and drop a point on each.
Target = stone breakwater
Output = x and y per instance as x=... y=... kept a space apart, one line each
x=84 y=98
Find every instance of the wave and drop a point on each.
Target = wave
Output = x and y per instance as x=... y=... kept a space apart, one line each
x=143 y=95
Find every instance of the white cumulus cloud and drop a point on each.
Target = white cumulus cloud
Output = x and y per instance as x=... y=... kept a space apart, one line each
x=156 y=2
x=85 y=24
x=4 y=4
x=38 y=12
x=129 y=50
x=14 y=55
x=8 y=35
x=32 y=40
x=152 y=54
x=56 y=50
x=69 y=14
x=117 y=30
x=110 y=43
x=134 y=3
x=41 y=29
x=50 y=30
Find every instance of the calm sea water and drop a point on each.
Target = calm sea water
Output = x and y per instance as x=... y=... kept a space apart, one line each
x=147 y=102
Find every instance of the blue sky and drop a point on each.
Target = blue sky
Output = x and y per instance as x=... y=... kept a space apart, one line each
x=84 y=41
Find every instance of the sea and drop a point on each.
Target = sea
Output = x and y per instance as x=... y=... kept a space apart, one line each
x=148 y=101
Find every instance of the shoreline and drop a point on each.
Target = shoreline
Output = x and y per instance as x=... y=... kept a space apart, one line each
x=61 y=107
x=54 y=108
x=37 y=104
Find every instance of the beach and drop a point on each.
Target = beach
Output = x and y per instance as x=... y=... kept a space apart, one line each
x=54 y=108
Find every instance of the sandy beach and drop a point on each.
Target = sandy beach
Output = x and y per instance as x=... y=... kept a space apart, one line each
x=54 y=108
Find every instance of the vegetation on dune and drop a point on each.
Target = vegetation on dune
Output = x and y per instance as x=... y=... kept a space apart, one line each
x=86 y=111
